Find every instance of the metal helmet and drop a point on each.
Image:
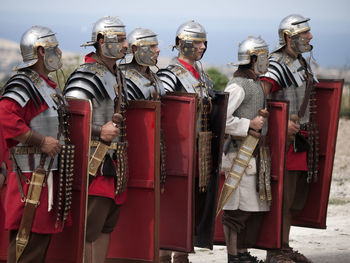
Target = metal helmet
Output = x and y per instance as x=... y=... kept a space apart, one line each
x=254 y=46
x=292 y=26
x=143 y=39
x=110 y=28
x=40 y=36
x=189 y=32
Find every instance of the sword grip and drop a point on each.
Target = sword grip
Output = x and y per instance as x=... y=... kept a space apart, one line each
x=264 y=113
x=117 y=118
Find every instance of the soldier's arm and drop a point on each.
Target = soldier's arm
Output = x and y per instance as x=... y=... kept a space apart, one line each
x=234 y=125
x=47 y=144
x=106 y=132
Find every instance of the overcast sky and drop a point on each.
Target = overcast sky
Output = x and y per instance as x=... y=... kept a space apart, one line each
x=227 y=22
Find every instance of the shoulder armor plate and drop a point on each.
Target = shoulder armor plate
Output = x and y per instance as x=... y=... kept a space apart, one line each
x=95 y=79
x=26 y=84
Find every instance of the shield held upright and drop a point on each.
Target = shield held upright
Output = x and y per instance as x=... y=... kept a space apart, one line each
x=179 y=115
x=68 y=246
x=328 y=100
x=136 y=236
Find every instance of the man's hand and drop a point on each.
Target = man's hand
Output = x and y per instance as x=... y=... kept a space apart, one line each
x=109 y=131
x=293 y=128
x=257 y=123
x=51 y=146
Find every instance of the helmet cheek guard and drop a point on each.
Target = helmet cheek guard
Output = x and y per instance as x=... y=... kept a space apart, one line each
x=52 y=59
x=111 y=48
x=299 y=44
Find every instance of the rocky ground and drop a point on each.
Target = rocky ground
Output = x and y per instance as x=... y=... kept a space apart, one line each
x=330 y=245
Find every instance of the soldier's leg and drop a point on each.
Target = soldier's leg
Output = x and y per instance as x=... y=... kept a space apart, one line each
x=164 y=256
x=248 y=236
x=35 y=251
x=233 y=221
x=180 y=257
x=301 y=192
x=103 y=216
x=289 y=190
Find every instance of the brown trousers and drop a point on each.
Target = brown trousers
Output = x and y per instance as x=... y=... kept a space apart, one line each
x=245 y=224
x=102 y=216
x=35 y=251
x=295 y=192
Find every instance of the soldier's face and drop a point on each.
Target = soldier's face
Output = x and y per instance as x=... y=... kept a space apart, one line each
x=307 y=36
x=124 y=44
x=155 y=49
x=199 y=47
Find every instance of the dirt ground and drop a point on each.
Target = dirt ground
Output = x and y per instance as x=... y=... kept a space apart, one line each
x=331 y=245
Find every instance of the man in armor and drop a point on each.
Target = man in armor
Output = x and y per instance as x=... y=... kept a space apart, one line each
x=142 y=83
x=101 y=81
x=184 y=74
x=290 y=78
x=33 y=114
x=246 y=124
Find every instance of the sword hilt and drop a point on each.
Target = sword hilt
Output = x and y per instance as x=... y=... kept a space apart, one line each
x=263 y=113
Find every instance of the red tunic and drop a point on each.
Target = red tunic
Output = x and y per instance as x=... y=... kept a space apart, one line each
x=102 y=185
x=295 y=161
x=190 y=68
x=15 y=121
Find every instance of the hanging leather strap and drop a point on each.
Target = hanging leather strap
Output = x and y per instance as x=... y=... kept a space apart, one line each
x=308 y=89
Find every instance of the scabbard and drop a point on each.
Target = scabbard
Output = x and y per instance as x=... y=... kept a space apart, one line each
x=31 y=203
x=239 y=165
x=97 y=158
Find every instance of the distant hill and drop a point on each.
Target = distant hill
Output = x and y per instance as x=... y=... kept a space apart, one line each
x=10 y=56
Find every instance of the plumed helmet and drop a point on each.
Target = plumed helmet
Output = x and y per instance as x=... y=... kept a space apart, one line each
x=291 y=25
x=106 y=26
x=33 y=38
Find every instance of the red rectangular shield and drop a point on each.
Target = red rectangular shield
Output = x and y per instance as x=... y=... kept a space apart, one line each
x=270 y=231
x=68 y=246
x=328 y=99
x=136 y=236
x=271 y=227
x=177 y=201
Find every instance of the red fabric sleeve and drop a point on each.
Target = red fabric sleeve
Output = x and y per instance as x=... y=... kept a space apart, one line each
x=14 y=119
x=274 y=84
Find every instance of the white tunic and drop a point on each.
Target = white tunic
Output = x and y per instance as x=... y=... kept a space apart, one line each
x=245 y=197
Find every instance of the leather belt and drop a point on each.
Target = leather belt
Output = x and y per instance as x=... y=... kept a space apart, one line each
x=25 y=150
